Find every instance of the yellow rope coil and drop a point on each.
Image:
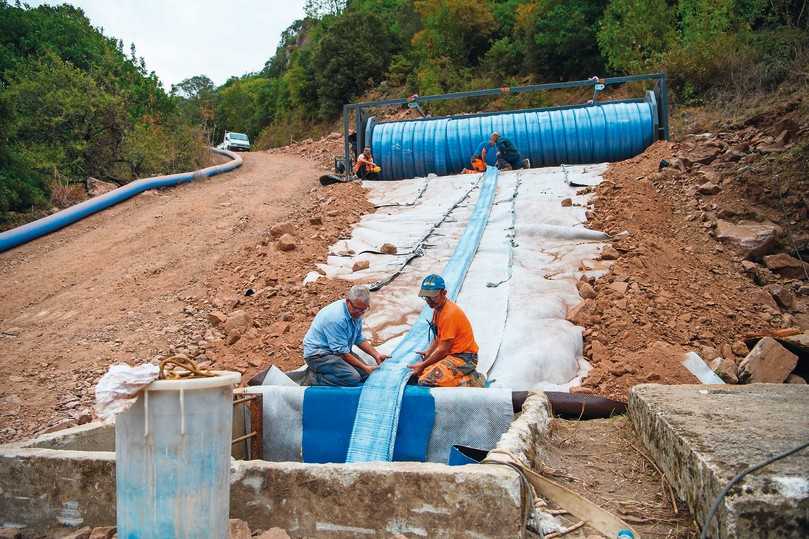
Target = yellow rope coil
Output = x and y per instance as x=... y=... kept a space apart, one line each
x=168 y=368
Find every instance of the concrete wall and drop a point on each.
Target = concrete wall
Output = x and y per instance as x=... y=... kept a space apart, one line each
x=701 y=436
x=44 y=489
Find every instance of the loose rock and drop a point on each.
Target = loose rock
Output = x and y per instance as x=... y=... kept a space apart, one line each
x=786 y=265
x=217 y=318
x=105 y=532
x=795 y=379
x=609 y=253
x=782 y=295
x=708 y=188
x=360 y=265
x=237 y=323
x=726 y=370
x=282 y=228
x=567 y=202
x=388 y=249
x=768 y=362
x=752 y=239
x=585 y=290
x=286 y=242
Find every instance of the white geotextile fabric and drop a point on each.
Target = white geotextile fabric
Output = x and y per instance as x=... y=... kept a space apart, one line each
x=525 y=341
x=469 y=416
x=282 y=421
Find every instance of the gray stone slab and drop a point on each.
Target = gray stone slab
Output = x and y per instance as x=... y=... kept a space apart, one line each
x=701 y=436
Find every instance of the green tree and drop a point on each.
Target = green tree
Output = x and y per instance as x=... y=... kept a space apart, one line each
x=344 y=68
x=635 y=33
x=559 y=38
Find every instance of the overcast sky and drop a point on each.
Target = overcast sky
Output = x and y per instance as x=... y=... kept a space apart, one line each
x=182 y=38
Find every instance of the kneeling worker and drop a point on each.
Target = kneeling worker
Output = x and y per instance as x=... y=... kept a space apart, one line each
x=333 y=333
x=452 y=358
x=365 y=168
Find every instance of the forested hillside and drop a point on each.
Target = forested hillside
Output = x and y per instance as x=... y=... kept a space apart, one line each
x=73 y=104
x=344 y=49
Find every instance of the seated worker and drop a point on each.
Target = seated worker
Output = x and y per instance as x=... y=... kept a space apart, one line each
x=334 y=332
x=452 y=358
x=487 y=150
x=507 y=153
x=477 y=165
x=365 y=167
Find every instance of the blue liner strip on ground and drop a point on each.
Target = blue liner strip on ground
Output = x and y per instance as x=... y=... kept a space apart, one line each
x=608 y=131
x=374 y=434
x=328 y=419
x=23 y=234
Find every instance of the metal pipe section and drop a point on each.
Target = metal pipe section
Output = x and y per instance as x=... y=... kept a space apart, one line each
x=25 y=233
x=595 y=133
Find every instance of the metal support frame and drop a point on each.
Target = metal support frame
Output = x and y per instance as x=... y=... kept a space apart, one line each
x=252 y=405
x=661 y=91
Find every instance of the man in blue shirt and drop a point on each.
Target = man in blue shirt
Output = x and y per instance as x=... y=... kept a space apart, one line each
x=487 y=150
x=327 y=346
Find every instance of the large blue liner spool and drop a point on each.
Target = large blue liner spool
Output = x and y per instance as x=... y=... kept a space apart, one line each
x=604 y=131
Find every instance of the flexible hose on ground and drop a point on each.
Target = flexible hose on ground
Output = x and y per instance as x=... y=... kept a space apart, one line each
x=25 y=233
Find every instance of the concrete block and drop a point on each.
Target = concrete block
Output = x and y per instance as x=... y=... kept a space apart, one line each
x=702 y=436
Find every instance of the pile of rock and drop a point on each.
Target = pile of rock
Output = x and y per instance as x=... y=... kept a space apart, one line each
x=769 y=362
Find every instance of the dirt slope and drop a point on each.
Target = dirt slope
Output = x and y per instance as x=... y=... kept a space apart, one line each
x=131 y=283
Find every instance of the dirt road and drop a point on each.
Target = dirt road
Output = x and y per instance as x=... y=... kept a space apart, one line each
x=124 y=283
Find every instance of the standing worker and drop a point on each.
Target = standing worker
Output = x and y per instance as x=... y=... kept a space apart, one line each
x=365 y=167
x=327 y=346
x=452 y=357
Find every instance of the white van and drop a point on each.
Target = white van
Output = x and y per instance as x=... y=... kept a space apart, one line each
x=235 y=142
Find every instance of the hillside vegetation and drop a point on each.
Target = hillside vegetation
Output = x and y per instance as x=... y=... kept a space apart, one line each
x=346 y=49
x=73 y=104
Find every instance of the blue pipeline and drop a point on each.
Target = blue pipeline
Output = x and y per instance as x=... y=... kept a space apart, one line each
x=23 y=234
x=377 y=420
x=605 y=131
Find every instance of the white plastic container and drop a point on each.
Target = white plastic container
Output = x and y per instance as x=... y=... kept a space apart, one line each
x=172 y=460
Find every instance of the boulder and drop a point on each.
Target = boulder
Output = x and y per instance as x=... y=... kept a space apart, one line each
x=725 y=369
x=785 y=265
x=388 y=249
x=767 y=362
x=751 y=238
x=278 y=230
x=237 y=323
x=287 y=242
x=360 y=265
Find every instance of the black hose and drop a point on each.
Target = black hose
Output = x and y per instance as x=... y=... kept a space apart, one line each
x=574 y=406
